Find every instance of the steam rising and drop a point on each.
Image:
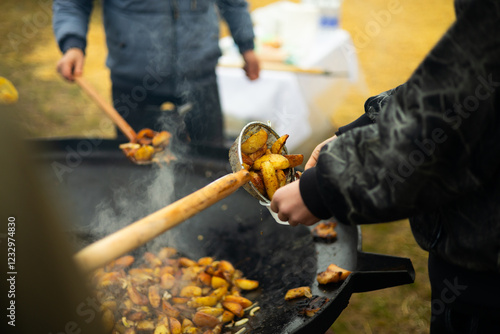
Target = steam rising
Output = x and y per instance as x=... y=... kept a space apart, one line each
x=134 y=200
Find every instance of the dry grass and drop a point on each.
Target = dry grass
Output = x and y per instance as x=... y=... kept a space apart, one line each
x=50 y=107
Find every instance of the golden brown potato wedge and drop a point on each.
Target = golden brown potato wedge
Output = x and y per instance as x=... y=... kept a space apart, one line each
x=257 y=154
x=280 y=174
x=145 y=326
x=332 y=274
x=137 y=297
x=234 y=308
x=270 y=179
x=303 y=291
x=227 y=316
x=258 y=182
x=202 y=301
x=120 y=263
x=294 y=159
x=162 y=139
x=190 y=291
x=185 y=262
x=277 y=160
x=218 y=282
x=167 y=253
x=201 y=319
x=244 y=302
x=326 y=277
x=278 y=144
x=254 y=142
x=167 y=281
x=154 y=296
x=144 y=153
x=205 y=278
x=246 y=159
x=246 y=284
x=169 y=310
x=219 y=293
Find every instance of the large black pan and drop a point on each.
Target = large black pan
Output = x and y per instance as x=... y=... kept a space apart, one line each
x=98 y=182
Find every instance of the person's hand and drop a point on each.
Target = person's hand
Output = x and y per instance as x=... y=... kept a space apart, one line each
x=71 y=64
x=289 y=206
x=251 y=67
x=313 y=160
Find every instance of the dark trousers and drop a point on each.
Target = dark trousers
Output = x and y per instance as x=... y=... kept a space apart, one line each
x=463 y=301
x=197 y=109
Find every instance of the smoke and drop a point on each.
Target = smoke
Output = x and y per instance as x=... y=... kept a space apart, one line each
x=136 y=198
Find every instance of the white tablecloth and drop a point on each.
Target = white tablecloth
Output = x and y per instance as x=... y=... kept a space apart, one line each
x=289 y=100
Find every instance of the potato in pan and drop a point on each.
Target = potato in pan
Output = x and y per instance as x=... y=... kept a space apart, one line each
x=201 y=296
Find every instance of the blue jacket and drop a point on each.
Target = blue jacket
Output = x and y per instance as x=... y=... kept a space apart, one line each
x=152 y=41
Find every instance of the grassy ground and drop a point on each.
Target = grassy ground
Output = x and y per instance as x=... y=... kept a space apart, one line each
x=388 y=48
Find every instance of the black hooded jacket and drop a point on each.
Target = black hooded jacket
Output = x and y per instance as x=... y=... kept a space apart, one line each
x=428 y=149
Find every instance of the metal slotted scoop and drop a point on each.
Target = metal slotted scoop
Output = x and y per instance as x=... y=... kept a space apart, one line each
x=236 y=161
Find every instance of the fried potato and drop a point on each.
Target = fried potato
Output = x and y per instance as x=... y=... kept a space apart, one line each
x=162 y=139
x=219 y=293
x=205 y=320
x=120 y=263
x=325 y=231
x=227 y=316
x=202 y=294
x=137 y=297
x=215 y=311
x=294 y=159
x=190 y=291
x=254 y=142
x=277 y=160
x=154 y=296
x=270 y=179
x=258 y=182
x=246 y=284
x=303 y=291
x=244 y=302
x=167 y=281
x=218 y=282
x=246 y=159
x=234 y=308
x=144 y=153
x=167 y=253
x=145 y=326
x=203 y=301
x=278 y=144
x=280 y=174
x=332 y=274
x=257 y=154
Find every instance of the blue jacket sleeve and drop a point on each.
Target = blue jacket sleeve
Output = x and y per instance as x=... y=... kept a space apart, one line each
x=70 y=22
x=235 y=13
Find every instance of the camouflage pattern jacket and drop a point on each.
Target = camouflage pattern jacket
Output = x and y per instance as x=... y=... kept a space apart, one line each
x=431 y=151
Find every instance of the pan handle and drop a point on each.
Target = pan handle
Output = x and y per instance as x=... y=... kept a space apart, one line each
x=377 y=271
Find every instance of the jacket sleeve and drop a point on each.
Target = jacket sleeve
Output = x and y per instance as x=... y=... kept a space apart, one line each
x=435 y=139
x=70 y=21
x=372 y=109
x=235 y=13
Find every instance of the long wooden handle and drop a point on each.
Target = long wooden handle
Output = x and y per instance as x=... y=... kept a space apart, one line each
x=138 y=233
x=107 y=108
x=276 y=66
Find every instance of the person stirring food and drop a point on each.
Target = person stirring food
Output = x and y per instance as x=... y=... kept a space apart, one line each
x=159 y=51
